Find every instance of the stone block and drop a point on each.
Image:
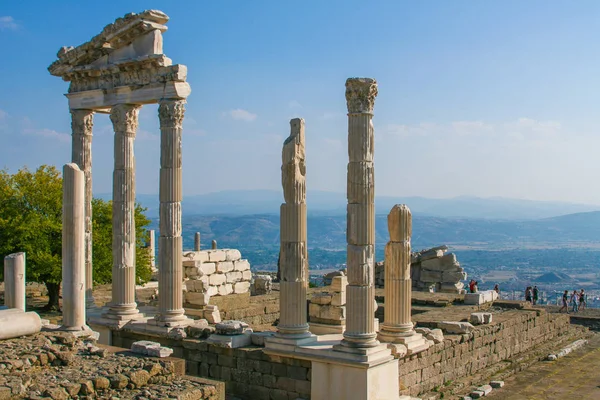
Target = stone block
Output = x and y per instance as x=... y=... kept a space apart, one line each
x=217 y=279
x=247 y=275
x=231 y=327
x=314 y=310
x=338 y=298
x=225 y=289
x=217 y=255
x=197 y=298
x=224 y=266
x=193 y=271
x=431 y=276
x=339 y=283
x=332 y=312
x=212 y=314
x=258 y=338
x=241 y=265
x=486 y=389
x=200 y=256
x=497 y=384
x=453 y=276
x=233 y=255
x=233 y=276
x=208 y=268
x=454 y=327
x=212 y=290
x=195 y=286
x=452 y=287
x=151 y=349
x=241 y=287
x=476 y=394
x=321 y=298
x=480 y=318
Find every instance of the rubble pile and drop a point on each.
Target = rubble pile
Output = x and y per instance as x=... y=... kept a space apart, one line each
x=431 y=270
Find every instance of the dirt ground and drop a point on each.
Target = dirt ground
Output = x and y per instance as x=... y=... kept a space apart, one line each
x=575 y=376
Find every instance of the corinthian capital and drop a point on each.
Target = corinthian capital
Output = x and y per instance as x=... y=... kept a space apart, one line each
x=124 y=117
x=82 y=122
x=170 y=113
x=360 y=95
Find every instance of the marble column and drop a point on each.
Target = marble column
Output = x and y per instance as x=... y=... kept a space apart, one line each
x=398 y=327
x=170 y=247
x=14 y=281
x=197 y=241
x=73 y=247
x=293 y=251
x=82 y=122
x=123 y=307
x=360 y=233
x=397 y=276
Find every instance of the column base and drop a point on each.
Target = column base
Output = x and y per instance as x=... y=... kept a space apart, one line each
x=414 y=342
x=123 y=312
x=285 y=342
x=360 y=341
x=326 y=329
x=170 y=322
x=375 y=379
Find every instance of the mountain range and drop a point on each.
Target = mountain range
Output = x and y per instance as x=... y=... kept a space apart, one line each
x=249 y=202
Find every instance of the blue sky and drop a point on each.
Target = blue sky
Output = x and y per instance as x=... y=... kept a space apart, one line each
x=484 y=98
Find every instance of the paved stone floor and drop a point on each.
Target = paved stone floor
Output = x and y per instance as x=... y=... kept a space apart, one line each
x=575 y=376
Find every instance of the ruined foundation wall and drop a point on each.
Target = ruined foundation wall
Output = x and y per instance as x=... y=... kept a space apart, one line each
x=248 y=372
x=458 y=356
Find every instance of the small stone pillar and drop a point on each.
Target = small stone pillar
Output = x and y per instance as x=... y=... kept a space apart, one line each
x=398 y=327
x=214 y=244
x=294 y=255
x=152 y=248
x=82 y=123
x=123 y=307
x=14 y=281
x=360 y=234
x=197 y=241
x=73 y=248
x=170 y=243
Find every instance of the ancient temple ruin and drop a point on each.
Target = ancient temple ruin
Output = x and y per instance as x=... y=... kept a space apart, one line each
x=117 y=72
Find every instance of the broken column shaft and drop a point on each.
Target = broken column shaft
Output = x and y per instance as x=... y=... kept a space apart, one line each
x=293 y=251
x=14 y=281
x=73 y=248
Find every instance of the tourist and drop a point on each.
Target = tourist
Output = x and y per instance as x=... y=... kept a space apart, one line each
x=582 y=300
x=574 y=300
x=536 y=293
x=472 y=286
x=565 y=298
x=475 y=288
x=497 y=289
x=528 y=294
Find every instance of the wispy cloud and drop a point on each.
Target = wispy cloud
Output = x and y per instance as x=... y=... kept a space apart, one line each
x=294 y=105
x=29 y=129
x=241 y=115
x=8 y=23
x=3 y=115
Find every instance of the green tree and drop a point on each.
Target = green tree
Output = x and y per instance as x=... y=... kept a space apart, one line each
x=31 y=221
x=102 y=242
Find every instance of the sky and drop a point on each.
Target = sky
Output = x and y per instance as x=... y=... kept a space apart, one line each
x=478 y=98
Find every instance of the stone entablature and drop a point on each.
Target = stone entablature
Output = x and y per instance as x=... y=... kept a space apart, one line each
x=123 y=64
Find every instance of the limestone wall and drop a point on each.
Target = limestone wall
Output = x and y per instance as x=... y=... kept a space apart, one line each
x=248 y=372
x=431 y=270
x=211 y=273
x=512 y=333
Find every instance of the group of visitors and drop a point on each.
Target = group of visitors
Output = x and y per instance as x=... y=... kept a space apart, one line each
x=577 y=301
x=532 y=294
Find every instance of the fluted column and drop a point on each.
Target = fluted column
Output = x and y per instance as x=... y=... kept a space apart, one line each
x=82 y=122
x=398 y=289
x=124 y=118
x=14 y=281
x=170 y=273
x=293 y=251
x=360 y=233
x=73 y=247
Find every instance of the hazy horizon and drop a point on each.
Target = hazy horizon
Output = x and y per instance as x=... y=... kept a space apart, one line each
x=479 y=99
